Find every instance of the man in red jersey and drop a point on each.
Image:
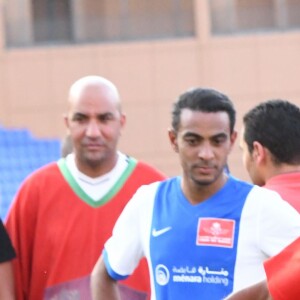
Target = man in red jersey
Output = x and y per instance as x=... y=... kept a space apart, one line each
x=271 y=147
x=65 y=211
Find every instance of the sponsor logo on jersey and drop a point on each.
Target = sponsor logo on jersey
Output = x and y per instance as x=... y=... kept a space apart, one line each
x=200 y=275
x=215 y=232
x=159 y=232
x=162 y=274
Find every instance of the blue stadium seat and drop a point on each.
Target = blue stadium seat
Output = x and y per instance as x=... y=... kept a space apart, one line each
x=20 y=154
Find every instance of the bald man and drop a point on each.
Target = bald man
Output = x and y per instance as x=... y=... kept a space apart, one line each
x=64 y=212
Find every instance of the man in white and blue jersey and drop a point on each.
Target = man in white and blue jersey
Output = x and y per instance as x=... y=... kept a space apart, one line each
x=205 y=234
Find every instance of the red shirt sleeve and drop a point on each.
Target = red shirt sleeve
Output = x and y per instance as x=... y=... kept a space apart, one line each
x=283 y=273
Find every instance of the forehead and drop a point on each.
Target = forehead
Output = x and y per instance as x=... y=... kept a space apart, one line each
x=204 y=123
x=94 y=100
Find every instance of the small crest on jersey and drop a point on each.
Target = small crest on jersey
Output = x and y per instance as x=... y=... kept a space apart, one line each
x=215 y=232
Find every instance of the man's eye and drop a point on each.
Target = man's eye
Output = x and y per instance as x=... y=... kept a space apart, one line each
x=78 y=118
x=191 y=141
x=106 y=118
x=219 y=141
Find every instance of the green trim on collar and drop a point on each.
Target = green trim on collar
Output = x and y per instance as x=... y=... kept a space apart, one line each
x=62 y=165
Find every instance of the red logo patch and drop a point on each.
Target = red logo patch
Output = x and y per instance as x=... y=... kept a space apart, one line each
x=215 y=232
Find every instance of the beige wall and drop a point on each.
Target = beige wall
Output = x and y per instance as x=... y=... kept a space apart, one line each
x=150 y=75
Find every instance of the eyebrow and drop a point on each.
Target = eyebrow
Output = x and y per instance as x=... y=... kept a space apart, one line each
x=81 y=114
x=222 y=134
x=192 y=134
x=78 y=114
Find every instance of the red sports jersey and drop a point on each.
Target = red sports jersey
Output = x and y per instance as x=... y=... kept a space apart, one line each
x=59 y=232
x=288 y=186
x=283 y=270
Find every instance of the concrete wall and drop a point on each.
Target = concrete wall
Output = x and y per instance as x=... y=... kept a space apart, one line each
x=250 y=68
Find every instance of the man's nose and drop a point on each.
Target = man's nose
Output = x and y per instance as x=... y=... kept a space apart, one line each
x=93 y=129
x=206 y=152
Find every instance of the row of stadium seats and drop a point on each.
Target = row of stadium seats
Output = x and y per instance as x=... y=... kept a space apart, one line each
x=20 y=154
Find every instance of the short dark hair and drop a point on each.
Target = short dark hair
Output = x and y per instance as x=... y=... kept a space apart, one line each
x=276 y=125
x=205 y=100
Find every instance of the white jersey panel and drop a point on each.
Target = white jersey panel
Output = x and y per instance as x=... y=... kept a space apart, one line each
x=268 y=224
x=130 y=238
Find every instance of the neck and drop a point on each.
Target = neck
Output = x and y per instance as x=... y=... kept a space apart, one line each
x=196 y=192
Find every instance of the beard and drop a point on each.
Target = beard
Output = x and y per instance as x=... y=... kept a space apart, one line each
x=95 y=160
x=205 y=179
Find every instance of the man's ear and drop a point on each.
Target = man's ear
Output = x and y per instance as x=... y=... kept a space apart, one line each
x=123 y=120
x=259 y=152
x=66 y=121
x=233 y=138
x=173 y=139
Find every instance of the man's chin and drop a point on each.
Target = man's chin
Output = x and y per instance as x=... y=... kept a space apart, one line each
x=203 y=181
x=94 y=160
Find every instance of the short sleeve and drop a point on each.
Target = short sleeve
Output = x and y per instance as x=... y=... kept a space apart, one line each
x=130 y=238
x=279 y=223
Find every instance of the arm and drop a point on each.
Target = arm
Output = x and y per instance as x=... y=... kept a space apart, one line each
x=257 y=291
x=6 y=281
x=102 y=285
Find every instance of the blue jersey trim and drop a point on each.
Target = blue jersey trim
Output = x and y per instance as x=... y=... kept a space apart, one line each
x=109 y=269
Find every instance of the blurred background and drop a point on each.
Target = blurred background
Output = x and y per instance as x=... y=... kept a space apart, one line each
x=153 y=51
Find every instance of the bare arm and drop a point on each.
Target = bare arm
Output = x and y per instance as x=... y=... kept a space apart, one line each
x=6 y=281
x=258 y=291
x=102 y=285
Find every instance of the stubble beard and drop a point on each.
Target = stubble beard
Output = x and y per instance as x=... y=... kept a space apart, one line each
x=208 y=181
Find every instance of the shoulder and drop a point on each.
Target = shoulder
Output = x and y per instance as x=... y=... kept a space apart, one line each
x=238 y=183
x=44 y=173
x=32 y=190
x=264 y=198
x=270 y=203
x=148 y=190
x=255 y=191
x=147 y=170
x=141 y=204
x=145 y=193
x=264 y=194
x=45 y=170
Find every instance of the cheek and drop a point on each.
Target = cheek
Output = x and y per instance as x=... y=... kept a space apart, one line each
x=76 y=133
x=184 y=156
x=250 y=168
x=221 y=154
x=110 y=133
x=188 y=153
